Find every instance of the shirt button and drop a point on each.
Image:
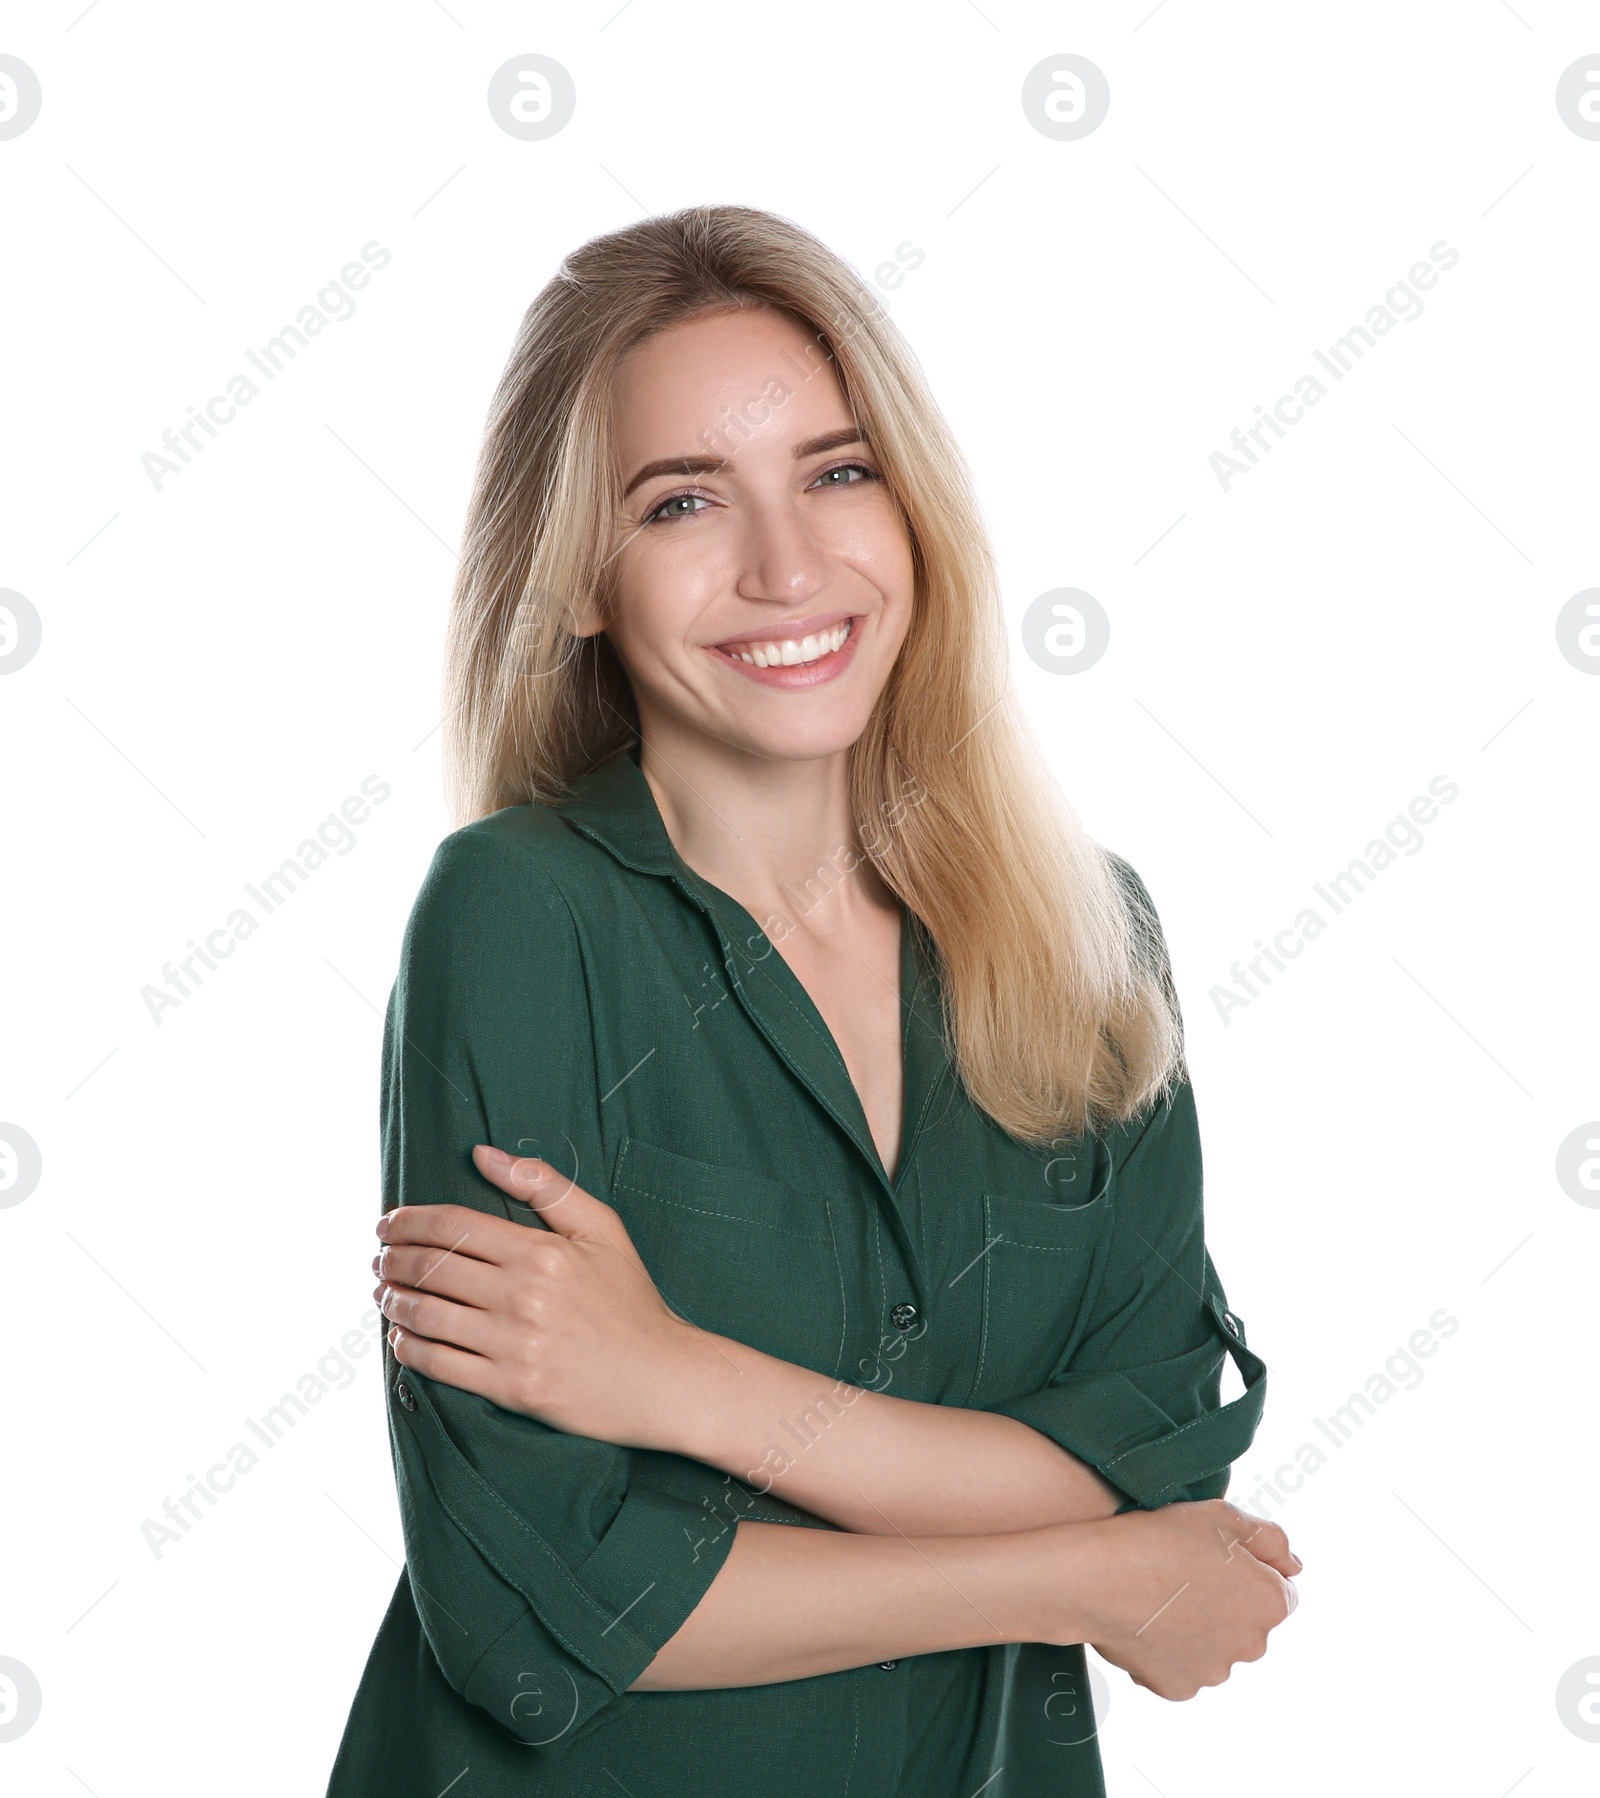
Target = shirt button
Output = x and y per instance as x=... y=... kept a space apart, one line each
x=888 y=1666
x=406 y=1396
x=903 y=1316
x=1232 y=1322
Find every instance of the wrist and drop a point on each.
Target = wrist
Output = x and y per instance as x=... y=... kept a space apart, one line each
x=729 y=1405
x=1074 y=1570
x=684 y=1372
x=707 y=1389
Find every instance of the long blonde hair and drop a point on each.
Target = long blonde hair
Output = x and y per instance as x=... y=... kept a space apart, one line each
x=1058 y=1004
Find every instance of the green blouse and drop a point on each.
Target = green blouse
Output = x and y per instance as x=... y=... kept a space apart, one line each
x=569 y=987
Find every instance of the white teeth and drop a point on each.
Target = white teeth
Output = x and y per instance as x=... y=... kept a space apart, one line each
x=789 y=653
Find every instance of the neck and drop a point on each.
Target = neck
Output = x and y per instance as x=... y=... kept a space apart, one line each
x=777 y=835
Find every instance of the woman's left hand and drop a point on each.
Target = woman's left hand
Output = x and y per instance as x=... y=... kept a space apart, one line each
x=563 y=1324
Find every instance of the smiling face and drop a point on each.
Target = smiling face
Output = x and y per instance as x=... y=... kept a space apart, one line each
x=764 y=583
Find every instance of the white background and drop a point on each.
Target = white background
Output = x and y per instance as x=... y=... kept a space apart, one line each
x=225 y=659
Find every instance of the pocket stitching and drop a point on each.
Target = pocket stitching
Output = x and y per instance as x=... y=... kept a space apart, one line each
x=1100 y=1206
x=732 y=1217
x=622 y=1183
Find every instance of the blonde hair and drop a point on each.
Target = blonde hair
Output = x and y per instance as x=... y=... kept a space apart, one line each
x=1058 y=1004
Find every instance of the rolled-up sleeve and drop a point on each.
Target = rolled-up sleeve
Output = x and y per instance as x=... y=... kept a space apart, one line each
x=545 y=1574
x=1138 y=1394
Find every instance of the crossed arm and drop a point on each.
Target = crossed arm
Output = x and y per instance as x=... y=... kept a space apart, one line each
x=954 y=1527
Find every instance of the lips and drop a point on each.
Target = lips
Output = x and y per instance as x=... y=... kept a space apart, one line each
x=779 y=630
x=796 y=658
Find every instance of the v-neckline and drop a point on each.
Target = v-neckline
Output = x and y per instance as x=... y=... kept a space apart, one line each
x=616 y=806
x=795 y=990
x=919 y=1070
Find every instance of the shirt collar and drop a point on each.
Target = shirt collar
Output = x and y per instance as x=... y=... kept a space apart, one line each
x=613 y=804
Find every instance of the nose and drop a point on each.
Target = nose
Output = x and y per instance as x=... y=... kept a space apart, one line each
x=780 y=560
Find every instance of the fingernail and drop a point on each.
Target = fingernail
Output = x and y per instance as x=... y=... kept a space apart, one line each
x=375 y=1260
x=394 y=1335
x=1299 y=1565
x=382 y=1226
x=498 y=1155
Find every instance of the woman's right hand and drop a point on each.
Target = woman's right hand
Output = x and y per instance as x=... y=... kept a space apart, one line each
x=1176 y=1596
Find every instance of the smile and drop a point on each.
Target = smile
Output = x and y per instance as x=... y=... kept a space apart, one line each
x=805 y=661
x=791 y=654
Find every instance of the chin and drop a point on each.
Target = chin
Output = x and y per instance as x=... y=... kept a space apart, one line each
x=798 y=740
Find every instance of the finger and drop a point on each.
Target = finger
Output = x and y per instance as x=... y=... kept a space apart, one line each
x=443 y=1271
x=440 y=1320
x=1267 y=1542
x=561 y=1203
x=457 y=1228
x=450 y=1366
x=531 y=1181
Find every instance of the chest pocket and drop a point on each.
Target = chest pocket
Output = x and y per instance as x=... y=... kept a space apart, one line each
x=1037 y=1274
x=737 y=1252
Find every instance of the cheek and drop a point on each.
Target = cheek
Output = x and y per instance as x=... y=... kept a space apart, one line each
x=875 y=549
x=659 y=593
x=894 y=575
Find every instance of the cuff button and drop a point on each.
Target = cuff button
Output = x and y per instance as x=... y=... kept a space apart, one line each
x=406 y=1396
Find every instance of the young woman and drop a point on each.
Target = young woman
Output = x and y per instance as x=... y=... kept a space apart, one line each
x=803 y=1337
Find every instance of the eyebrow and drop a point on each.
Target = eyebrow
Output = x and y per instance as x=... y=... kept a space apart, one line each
x=813 y=446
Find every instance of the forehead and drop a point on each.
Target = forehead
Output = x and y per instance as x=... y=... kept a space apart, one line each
x=690 y=377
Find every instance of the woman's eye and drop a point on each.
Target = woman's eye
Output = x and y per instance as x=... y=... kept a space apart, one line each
x=864 y=469
x=675 y=505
